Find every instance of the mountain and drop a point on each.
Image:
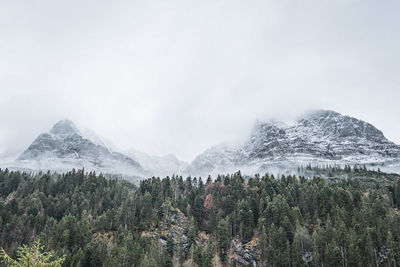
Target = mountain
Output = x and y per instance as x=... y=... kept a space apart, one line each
x=160 y=166
x=65 y=147
x=218 y=158
x=319 y=137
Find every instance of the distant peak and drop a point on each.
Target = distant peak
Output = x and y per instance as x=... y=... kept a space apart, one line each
x=271 y=122
x=320 y=113
x=64 y=127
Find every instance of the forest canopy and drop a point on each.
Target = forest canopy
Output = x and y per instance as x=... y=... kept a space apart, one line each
x=351 y=217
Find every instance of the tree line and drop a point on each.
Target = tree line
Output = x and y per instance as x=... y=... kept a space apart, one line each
x=90 y=220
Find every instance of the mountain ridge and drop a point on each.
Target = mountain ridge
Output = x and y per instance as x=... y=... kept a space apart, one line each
x=318 y=137
x=65 y=146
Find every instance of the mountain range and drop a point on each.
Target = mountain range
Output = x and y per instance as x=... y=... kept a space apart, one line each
x=317 y=138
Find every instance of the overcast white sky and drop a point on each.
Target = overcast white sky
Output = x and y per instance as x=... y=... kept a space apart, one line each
x=181 y=76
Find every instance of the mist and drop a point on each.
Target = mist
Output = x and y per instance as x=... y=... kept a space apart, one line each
x=180 y=76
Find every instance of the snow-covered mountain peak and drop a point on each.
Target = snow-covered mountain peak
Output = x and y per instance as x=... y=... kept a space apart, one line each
x=65 y=147
x=337 y=126
x=64 y=127
x=318 y=137
x=319 y=113
x=321 y=136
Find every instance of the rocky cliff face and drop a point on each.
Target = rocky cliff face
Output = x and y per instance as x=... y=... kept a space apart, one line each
x=320 y=137
x=322 y=134
x=175 y=228
x=65 y=147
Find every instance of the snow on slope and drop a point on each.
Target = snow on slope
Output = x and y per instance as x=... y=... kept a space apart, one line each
x=317 y=138
x=160 y=166
x=65 y=147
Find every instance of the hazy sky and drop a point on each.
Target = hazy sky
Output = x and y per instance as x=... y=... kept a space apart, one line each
x=181 y=76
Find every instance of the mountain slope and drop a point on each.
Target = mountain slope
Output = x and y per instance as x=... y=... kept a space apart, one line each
x=319 y=137
x=158 y=165
x=64 y=147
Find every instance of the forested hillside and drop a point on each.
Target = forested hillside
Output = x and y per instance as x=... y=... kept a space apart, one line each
x=232 y=220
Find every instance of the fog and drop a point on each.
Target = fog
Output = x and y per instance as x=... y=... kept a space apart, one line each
x=180 y=76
